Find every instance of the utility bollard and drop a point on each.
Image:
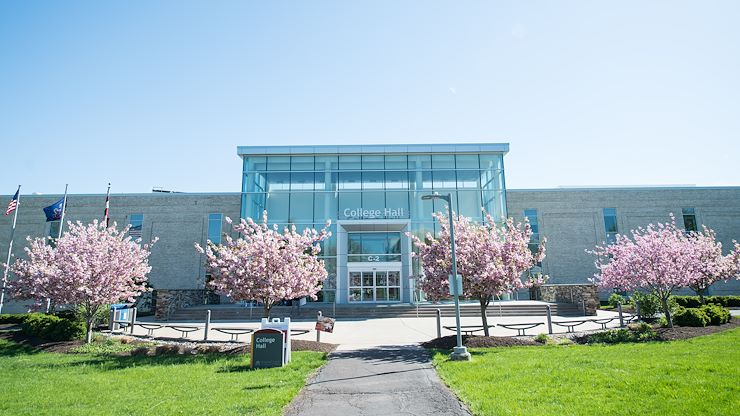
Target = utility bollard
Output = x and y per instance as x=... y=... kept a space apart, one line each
x=637 y=310
x=318 y=333
x=133 y=320
x=549 y=320
x=112 y=318
x=208 y=324
x=621 y=317
x=439 y=323
x=583 y=305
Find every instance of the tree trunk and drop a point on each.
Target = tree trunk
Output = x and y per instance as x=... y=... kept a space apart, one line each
x=483 y=305
x=88 y=326
x=267 y=306
x=666 y=310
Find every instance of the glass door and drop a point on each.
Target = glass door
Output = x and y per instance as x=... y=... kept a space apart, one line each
x=374 y=286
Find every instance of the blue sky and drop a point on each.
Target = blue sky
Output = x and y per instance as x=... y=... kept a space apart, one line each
x=146 y=94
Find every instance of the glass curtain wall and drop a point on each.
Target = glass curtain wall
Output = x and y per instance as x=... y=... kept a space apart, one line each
x=308 y=190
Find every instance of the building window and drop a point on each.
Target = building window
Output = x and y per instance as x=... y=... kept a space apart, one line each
x=610 y=224
x=214 y=228
x=136 y=221
x=534 y=241
x=689 y=219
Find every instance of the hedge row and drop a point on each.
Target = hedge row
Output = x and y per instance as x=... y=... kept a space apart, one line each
x=706 y=315
x=695 y=301
x=49 y=327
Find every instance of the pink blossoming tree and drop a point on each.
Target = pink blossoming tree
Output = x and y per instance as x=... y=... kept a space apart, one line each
x=711 y=265
x=89 y=267
x=491 y=259
x=660 y=258
x=266 y=265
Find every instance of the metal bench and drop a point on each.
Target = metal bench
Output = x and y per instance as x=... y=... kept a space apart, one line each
x=521 y=328
x=467 y=329
x=184 y=329
x=299 y=331
x=149 y=328
x=234 y=332
x=570 y=324
x=604 y=321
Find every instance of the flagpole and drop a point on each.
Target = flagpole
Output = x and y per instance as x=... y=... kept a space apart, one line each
x=64 y=209
x=107 y=206
x=10 y=249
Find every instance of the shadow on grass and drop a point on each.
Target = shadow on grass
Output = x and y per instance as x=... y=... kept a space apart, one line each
x=118 y=362
x=12 y=349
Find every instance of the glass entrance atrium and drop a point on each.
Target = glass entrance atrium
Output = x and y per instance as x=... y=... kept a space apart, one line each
x=372 y=195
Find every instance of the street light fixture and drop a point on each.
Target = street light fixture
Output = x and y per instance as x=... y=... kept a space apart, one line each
x=460 y=352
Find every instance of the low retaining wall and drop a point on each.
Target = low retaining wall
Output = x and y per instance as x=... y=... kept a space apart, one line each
x=573 y=293
x=167 y=301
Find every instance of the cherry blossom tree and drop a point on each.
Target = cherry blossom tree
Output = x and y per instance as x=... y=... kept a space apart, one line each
x=491 y=259
x=89 y=267
x=266 y=265
x=659 y=258
x=712 y=265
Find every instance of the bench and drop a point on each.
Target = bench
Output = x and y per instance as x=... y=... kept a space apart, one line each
x=234 y=332
x=570 y=324
x=184 y=329
x=603 y=321
x=468 y=329
x=521 y=328
x=299 y=331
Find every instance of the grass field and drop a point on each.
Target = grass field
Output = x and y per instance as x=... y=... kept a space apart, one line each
x=38 y=383
x=689 y=377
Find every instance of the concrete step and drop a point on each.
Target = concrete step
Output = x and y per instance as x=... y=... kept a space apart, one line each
x=235 y=312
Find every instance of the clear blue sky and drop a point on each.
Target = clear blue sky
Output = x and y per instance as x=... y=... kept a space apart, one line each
x=146 y=94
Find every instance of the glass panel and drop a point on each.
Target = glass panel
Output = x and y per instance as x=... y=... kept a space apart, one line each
x=395 y=162
x=381 y=295
x=610 y=224
x=214 y=228
x=381 y=279
x=350 y=162
x=277 y=206
x=374 y=203
x=350 y=180
x=324 y=207
x=396 y=180
x=398 y=202
x=530 y=213
x=610 y=211
x=277 y=181
x=372 y=162
x=255 y=182
x=468 y=179
x=367 y=294
x=326 y=163
x=355 y=295
x=372 y=180
x=394 y=243
x=688 y=211
x=420 y=162
x=367 y=279
x=301 y=207
x=301 y=163
x=394 y=294
x=355 y=279
x=278 y=163
x=491 y=161
x=443 y=162
x=354 y=243
x=444 y=179
x=302 y=181
x=689 y=222
x=394 y=278
x=374 y=243
x=469 y=204
x=349 y=203
x=466 y=161
x=253 y=163
x=254 y=205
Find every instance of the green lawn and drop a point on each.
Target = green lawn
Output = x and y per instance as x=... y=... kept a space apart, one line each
x=37 y=383
x=696 y=376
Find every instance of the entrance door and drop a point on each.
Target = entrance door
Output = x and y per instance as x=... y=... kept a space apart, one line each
x=375 y=285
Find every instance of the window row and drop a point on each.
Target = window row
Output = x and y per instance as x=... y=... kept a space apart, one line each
x=369 y=180
x=379 y=162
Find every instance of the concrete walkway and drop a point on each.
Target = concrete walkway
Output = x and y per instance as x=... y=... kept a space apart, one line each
x=387 y=380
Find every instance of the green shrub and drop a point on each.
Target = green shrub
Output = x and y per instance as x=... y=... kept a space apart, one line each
x=13 y=318
x=641 y=332
x=542 y=338
x=52 y=328
x=695 y=302
x=649 y=304
x=688 y=301
x=615 y=299
x=690 y=317
x=717 y=315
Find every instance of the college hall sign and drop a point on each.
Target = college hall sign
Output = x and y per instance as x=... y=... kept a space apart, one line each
x=364 y=214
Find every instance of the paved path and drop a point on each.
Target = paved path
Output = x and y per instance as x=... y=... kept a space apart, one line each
x=389 y=380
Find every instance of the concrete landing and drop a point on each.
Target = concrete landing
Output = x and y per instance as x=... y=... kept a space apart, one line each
x=387 y=380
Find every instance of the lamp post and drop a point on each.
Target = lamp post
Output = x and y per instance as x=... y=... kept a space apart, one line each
x=460 y=352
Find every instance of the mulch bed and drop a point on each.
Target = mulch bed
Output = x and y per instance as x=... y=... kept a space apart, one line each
x=474 y=341
x=685 y=332
x=296 y=345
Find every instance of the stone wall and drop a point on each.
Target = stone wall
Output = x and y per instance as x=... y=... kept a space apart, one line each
x=574 y=293
x=167 y=301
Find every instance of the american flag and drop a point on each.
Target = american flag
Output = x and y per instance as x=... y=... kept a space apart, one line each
x=13 y=203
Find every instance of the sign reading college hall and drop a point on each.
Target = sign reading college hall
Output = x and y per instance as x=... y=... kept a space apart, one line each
x=363 y=214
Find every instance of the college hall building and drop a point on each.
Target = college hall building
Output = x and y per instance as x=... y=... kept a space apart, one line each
x=373 y=196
